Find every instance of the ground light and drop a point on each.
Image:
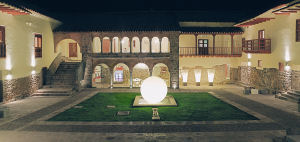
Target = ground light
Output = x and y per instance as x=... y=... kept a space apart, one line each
x=211 y=75
x=154 y=93
x=154 y=89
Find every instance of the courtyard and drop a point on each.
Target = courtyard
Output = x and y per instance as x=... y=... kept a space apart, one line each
x=268 y=122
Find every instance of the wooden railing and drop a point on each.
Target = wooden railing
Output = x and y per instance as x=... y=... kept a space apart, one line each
x=257 y=46
x=210 y=51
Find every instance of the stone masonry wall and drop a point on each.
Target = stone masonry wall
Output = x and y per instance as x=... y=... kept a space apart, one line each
x=22 y=87
x=268 y=78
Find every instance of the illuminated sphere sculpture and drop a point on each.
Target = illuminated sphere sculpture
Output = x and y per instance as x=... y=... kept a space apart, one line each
x=154 y=89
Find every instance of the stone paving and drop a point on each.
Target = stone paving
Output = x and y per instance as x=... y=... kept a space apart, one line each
x=32 y=127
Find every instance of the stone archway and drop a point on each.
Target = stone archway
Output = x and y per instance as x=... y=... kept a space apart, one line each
x=139 y=73
x=69 y=48
x=161 y=70
x=121 y=75
x=101 y=77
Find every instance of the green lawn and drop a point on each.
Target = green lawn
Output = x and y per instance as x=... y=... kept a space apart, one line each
x=191 y=107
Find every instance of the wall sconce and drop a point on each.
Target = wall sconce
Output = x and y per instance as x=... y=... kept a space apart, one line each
x=249 y=56
x=33 y=72
x=249 y=63
x=9 y=77
x=287 y=67
x=184 y=77
x=211 y=75
x=197 y=76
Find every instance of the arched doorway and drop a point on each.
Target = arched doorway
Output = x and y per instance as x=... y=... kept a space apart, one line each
x=101 y=76
x=139 y=73
x=70 y=48
x=161 y=70
x=121 y=76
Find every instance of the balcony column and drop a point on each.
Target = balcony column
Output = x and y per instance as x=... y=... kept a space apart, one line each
x=130 y=78
x=214 y=43
x=101 y=47
x=196 y=45
x=130 y=48
x=111 y=43
x=232 y=43
x=150 y=44
x=120 y=43
x=111 y=77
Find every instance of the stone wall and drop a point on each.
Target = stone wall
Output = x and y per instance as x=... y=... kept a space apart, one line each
x=20 y=88
x=268 y=78
x=295 y=80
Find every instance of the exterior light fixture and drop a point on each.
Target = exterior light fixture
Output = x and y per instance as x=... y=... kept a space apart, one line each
x=9 y=77
x=287 y=67
x=249 y=56
x=211 y=75
x=197 y=76
x=249 y=63
x=33 y=72
x=154 y=89
x=184 y=74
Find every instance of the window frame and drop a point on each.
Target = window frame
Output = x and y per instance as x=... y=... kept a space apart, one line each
x=3 y=43
x=297 y=30
x=38 y=46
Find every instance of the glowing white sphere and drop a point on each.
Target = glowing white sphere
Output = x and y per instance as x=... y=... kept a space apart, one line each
x=154 y=89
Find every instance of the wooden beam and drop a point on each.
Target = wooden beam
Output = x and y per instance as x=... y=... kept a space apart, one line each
x=289 y=11
x=293 y=9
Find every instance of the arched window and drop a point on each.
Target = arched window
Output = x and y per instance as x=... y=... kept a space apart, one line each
x=135 y=45
x=165 y=45
x=96 y=45
x=155 y=46
x=116 y=45
x=125 y=45
x=145 y=45
x=106 y=45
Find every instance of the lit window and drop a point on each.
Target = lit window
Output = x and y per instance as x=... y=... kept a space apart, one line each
x=119 y=76
x=38 y=45
x=2 y=42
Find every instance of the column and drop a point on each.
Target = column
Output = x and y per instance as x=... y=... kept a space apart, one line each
x=159 y=41
x=150 y=44
x=196 y=45
x=130 y=48
x=101 y=39
x=120 y=42
x=130 y=79
x=111 y=77
x=150 y=71
x=111 y=43
x=232 y=43
x=214 y=43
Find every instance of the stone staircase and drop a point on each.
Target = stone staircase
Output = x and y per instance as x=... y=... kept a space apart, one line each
x=62 y=82
x=291 y=96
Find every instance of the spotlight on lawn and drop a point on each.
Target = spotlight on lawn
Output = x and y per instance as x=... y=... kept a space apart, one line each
x=154 y=89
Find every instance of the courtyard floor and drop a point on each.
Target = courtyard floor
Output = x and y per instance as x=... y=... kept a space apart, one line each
x=24 y=121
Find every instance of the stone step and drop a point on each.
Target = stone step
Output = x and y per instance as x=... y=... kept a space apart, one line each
x=293 y=98
x=294 y=93
x=51 y=94
x=286 y=97
x=297 y=91
x=54 y=90
x=57 y=86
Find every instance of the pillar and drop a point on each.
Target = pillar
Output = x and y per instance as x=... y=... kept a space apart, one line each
x=111 y=77
x=130 y=78
x=196 y=45
x=214 y=43
x=232 y=43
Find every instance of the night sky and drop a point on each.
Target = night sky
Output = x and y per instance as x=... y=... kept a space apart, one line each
x=56 y=8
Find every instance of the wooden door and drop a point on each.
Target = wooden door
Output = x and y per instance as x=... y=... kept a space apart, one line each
x=72 y=49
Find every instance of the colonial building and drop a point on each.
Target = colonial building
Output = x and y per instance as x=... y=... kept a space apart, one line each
x=109 y=50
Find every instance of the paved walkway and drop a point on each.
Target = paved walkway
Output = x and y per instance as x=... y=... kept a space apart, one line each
x=25 y=126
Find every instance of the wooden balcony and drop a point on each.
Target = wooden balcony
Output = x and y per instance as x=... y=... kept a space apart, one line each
x=210 y=51
x=257 y=46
